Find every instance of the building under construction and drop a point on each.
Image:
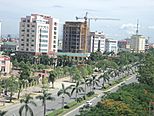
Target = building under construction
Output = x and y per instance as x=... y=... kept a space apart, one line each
x=75 y=37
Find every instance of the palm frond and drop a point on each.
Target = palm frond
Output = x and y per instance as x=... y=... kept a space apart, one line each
x=21 y=109
x=31 y=111
x=50 y=98
x=60 y=92
x=33 y=103
x=72 y=91
x=67 y=93
x=40 y=97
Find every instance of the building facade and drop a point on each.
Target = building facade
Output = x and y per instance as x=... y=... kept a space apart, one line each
x=97 y=42
x=138 y=43
x=75 y=37
x=111 y=46
x=38 y=34
x=5 y=64
x=9 y=46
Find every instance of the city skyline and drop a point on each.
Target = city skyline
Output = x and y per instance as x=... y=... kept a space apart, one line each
x=127 y=11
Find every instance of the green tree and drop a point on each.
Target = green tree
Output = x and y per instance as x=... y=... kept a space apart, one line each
x=26 y=102
x=77 y=89
x=46 y=96
x=76 y=74
x=52 y=77
x=62 y=92
x=12 y=86
x=146 y=71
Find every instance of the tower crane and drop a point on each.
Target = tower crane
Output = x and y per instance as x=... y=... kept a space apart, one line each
x=87 y=25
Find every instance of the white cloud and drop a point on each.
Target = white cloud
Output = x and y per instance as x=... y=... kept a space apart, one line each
x=150 y=27
x=129 y=28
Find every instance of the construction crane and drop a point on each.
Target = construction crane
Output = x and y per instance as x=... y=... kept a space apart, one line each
x=87 y=25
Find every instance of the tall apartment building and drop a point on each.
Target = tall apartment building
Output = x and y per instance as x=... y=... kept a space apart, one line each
x=97 y=42
x=75 y=37
x=138 y=43
x=38 y=34
x=111 y=46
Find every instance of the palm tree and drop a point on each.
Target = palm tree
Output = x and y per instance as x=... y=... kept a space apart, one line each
x=27 y=101
x=44 y=97
x=2 y=113
x=77 y=89
x=85 y=82
x=94 y=81
x=63 y=92
x=52 y=77
x=104 y=77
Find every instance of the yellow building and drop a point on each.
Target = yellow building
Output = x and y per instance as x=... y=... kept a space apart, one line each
x=138 y=43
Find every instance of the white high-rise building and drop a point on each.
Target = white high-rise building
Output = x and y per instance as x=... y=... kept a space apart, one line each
x=97 y=42
x=38 y=34
x=138 y=43
x=111 y=45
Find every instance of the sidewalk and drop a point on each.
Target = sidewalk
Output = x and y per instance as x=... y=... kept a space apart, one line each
x=35 y=91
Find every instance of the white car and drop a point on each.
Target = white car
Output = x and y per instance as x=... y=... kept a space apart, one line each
x=88 y=104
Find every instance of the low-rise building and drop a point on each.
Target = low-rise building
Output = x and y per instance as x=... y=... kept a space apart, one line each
x=9 y=46
x=5 y=64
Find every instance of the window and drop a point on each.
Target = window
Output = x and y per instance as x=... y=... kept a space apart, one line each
x=28 y=20
x=54 y=41
x=32 y=40
x=22 y=44
x=27 y=44
x=33 y=30
x=23 y=30
x=33 y=25
x=43 y=45
x=27 y=30
x=55 y=28
x=22 y=39
x=3 y=62
x=27 y=40
x=26 y=49
x=55 y=23
x=44 y=36
x=55 y=33
x=23 y=20
x=54 y=37
x=54 y=46
x=43 y=40
x=27 y=35
x=32 y=45
x=28 y=25
x=32 y=35
x=2 y=69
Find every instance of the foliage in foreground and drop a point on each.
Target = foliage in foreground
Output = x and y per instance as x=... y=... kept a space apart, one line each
x=130 y=100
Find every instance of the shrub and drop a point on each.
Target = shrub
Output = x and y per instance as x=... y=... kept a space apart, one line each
x=90 y=93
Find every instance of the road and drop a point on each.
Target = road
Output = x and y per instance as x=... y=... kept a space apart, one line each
x=98 y=98
x=52 y=105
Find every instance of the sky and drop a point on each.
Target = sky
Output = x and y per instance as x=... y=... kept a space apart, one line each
x=128 y=11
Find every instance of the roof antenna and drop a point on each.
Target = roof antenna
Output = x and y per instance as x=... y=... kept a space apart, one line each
x=137 y=27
